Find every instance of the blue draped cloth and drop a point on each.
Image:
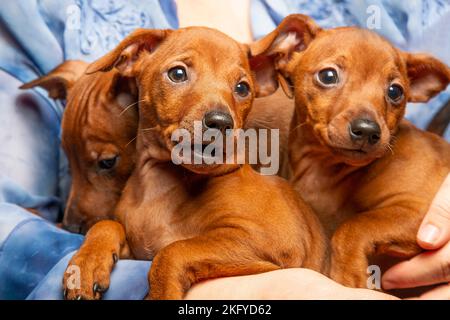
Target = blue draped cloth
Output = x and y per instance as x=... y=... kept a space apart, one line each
x=36 y=36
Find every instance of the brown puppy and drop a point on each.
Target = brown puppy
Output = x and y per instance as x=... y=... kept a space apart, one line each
x=369 y=174
x=98 y=130
x=111 y=108
x=196 y=221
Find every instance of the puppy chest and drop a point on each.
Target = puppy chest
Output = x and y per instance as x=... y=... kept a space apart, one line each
x=151 y=228
x=330 y=201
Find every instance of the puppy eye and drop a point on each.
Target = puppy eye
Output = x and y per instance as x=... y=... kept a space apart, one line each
x=107 y=164
x=395 y=92
x=177 y=74
x=242 y=89
x=328 y=77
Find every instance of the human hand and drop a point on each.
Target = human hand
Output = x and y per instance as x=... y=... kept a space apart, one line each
x=431 y=267
x=285 y=284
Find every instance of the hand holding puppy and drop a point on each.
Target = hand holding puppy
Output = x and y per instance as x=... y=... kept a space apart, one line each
x=433 y=266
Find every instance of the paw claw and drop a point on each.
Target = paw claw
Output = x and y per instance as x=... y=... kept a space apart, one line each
x=98 y=288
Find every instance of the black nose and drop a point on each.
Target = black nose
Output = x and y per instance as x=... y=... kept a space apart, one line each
x=363 y=129
x=218 y=120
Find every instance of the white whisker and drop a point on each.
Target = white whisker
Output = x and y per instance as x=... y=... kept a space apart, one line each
x=129 y=106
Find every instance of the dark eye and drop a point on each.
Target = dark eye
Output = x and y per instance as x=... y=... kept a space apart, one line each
x=395 y=92
x=107 y=164
x=177 y=74
x=328 y=77
x=242 y=89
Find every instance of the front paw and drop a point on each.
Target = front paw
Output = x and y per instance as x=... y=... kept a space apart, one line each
x=88 y=274
x=167 y=278
x=347 y=274
x=348 y=259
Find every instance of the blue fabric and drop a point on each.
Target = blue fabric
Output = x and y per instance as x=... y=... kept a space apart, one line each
x=128 y=281
x=416 y=26
x=35 y=36
x=31 y=249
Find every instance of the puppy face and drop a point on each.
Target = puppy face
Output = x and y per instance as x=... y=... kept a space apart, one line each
x=187 y=76
x=97 y=136
x=354 y=87
x=351 y=85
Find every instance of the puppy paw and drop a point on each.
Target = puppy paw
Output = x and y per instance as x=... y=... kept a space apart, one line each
x=348 y=259
x=88 y=274
x=164 y=277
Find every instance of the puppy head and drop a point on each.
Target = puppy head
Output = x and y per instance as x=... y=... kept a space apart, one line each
x=187 y=76
x=351 y=85
x=97 y=136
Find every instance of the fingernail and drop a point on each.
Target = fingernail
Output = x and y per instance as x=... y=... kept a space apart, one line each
x=429 y=233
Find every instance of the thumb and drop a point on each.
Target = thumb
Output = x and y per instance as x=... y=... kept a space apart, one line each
x=434 y=231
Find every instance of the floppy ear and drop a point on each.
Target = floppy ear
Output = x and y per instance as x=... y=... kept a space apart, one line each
x=427 y=76
x=270 y=55
x=126 y=54
x=58 y=81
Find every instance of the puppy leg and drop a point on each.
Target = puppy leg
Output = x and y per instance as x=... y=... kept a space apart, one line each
x=218 y=253
x=88 y=272
x=389 y=230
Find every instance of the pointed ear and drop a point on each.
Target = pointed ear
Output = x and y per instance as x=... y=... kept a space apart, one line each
x=427 y=76
x=272 y=53
x=58 y=81
x=126 y=54
x=264 y=75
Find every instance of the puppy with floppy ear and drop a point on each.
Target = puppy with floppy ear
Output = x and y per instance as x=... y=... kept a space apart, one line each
x=98 y=130
x=369 y=174
x=196 y=220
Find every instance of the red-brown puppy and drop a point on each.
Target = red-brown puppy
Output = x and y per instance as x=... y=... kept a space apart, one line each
x=197 y=221
x=98 y=130
x=101 y=166
x=369 y=174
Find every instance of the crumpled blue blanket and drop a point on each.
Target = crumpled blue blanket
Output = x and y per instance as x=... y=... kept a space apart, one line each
x=35 y=36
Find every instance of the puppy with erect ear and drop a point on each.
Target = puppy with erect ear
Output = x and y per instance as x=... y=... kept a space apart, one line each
x=59 y=81
x=369 y=174
x=428 y=76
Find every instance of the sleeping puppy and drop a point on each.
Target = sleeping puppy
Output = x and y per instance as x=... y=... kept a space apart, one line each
x=98 y=135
